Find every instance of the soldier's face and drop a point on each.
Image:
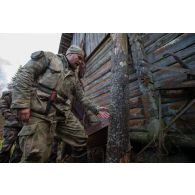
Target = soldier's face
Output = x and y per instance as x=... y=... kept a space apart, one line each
x=75 y=60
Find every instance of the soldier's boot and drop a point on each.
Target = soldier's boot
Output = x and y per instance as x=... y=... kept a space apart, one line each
x=54 y=150
x=66 y=153
x=79 y=155
x=96 y=154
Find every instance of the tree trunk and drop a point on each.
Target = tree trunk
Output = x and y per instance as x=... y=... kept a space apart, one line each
x=118 y=146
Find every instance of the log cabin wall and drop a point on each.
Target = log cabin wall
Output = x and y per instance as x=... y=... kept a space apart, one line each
x=154 y=48
x=98 y=65
x=146 y=79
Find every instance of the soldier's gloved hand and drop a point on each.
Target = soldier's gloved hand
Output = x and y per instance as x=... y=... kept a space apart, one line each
x=24 y=114
x=103 y=113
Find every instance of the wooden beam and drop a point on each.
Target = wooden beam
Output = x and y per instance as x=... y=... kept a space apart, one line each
x=118 y=146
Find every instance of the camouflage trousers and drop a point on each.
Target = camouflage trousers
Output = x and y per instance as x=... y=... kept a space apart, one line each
x=10 y=137
x=36 y=136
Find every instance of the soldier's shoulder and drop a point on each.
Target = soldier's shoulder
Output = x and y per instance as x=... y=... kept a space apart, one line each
x=5 y=93
x=37 y=55
x=49 y=54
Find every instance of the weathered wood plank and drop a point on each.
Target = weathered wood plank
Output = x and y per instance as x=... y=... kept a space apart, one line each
x=171 y=108
x=136 y=123
x=99 y=86
x=150 y=38
x=99 y=73
x=135 y=102
x=118 y=146
x=103 y=97
x=136 y=113
x=173 y=80
x=91 y=85
x=134 y=93
x=175 y=45
x=133 y=86
x=101 y=56
x=172 y=100
x=160 y=42
x=132 y=77
x=165 y=74
x=172 y=93
x=139 y=137
x=97 y=65
x=188 y=52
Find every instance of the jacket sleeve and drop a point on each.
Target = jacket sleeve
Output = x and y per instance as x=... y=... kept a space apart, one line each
x=26 y=79
x=5 y=106
x=9 y=116
x=87 y=103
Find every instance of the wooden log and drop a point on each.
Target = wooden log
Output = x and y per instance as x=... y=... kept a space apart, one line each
x=150 y=38
x=135 y=102
x=91 y=85
x=146 y=84
x=174 y=46
x=133 y=77
x=101 y=85
x=177 y=140
x=99 y=73
x=168 y=61
x=135 y=124
x=134 y=93
x=118 y=145
x=161 y=41
x=136 y=113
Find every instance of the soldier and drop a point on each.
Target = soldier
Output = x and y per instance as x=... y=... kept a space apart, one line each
x=10 y=131
x=42 y=95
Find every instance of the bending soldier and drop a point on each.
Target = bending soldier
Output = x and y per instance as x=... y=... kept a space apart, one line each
x=10 y=131
x=48 y=83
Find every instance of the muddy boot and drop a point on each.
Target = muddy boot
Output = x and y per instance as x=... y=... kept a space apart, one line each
x=79 y=155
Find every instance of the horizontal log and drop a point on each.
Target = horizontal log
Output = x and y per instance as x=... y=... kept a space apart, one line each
x=171 y=108
x=175 y=45
x=91 y=85
x=103 y=97
x=104 y=101
x=140 y=137
x=161 y=41
x=101 y=55
x=99 y=73
x=188 y=52
x=132 y=77
x=182 y=125
x=150 y=38
x=134 y=93
x=136 y=113
x=187 y=141
x=96 y=65
x=172 y=93
x=99 y=86
x=105 y=90
x=133 y=86
x=175 y=139
x=136 y=123
x=167 y=73
x=170 y=82
x=165 y=100
x=135 y=102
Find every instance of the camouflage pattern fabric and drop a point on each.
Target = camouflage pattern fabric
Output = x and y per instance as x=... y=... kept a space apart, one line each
x=10 y=131
x=32 y=88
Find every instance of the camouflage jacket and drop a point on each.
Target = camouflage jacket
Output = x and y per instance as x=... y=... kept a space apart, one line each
x=44 y=72
x=5 y=104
